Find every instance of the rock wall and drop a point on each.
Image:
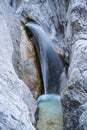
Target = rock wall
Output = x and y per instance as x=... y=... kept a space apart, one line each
x=30 y=69
x=75 y=94
x=51 y=15
x=17 y=106
x=66 y=23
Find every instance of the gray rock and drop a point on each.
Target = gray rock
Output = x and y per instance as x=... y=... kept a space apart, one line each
x=67 y=27
x=17 y=106
x=75 y=94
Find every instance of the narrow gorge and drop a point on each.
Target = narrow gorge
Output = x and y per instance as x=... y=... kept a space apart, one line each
x=59 y=35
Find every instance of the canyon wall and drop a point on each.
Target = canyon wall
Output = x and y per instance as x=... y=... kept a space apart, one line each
x=65 y=21
x=17 y=105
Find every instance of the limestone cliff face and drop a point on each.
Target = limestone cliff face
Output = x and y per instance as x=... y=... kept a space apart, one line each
x=75 y=95
x=30 y=69
x=66 y=23
x=17 y=106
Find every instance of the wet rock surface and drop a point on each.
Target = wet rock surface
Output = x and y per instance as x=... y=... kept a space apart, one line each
x=30 y=68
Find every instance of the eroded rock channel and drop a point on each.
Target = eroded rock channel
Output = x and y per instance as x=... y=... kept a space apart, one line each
x=66 y=24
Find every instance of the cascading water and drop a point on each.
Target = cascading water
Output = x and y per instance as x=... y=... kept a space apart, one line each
x=50 y=62
x=50 y=109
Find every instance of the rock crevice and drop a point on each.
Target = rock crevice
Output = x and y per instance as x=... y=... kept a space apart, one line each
x=66 y=23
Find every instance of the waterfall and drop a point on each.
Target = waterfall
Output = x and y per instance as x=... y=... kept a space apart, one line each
x=50 y=116
x=51 y=65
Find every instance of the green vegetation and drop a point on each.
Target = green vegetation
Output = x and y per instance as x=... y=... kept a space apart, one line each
x=28 y=32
